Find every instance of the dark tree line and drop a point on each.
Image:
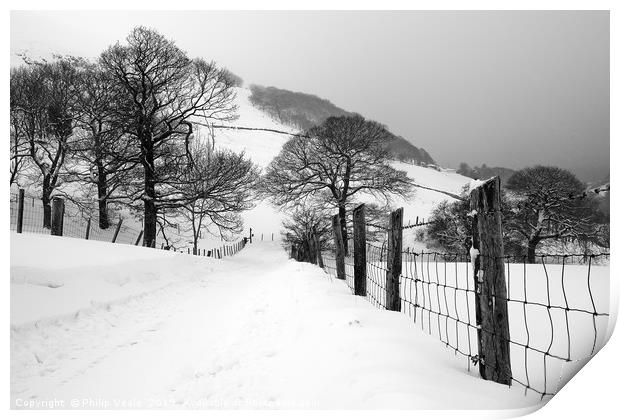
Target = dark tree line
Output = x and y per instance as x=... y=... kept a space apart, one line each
x=539 y=205
x=484 y=171
x=123 y=129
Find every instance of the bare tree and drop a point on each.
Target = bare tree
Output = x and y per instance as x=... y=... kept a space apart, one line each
x=44 y=111
x=160 y=92
x=217 y=187
x=305 y=224
x=343 y=157
x=543 y=208
x=105 y=158
x=22 y=94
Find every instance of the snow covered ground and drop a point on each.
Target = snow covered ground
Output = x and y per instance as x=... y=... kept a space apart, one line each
x=96 y=325
x=542 y=338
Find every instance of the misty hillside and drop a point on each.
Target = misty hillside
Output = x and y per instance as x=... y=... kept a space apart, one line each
x=407 y=152
x=303 y=111
x=485 y=172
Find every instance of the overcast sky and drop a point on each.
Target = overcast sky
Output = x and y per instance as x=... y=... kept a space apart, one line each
x=503 y=88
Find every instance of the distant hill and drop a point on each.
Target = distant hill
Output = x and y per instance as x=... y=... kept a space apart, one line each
x=303 y=111
x=485 y=172
x=407 y=152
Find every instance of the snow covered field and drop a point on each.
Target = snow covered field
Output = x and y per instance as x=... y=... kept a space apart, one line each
x=96 y=325
x=542 y=338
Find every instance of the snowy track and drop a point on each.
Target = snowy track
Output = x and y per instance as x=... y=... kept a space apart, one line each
x=253 y=331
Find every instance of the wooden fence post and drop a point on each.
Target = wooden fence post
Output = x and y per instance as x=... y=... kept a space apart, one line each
x=317 y=247
x=261 y=237
x=294 y=251
x=394 y=261
x=272 y=236
x=490 y=283
x=359 y=250
x=58 y=214
x=88 y=230
x=250 y=235
x=310 y=245
x=20 y=211
x=139 y=237
x=118 y=228
x=340 y=269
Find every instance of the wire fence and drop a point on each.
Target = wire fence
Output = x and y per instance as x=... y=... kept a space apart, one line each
x=558 y=306
x=77 y=221
x=80 y=221
x=218 y=252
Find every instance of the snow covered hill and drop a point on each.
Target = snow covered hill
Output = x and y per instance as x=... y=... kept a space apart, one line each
x=97 y=325
x=262 y=147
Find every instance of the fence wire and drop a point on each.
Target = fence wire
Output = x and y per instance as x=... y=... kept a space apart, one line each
x=557 y=308
x=76 y=224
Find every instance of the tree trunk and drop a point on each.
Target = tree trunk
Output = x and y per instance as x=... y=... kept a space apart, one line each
x=150 y=209
x=102 y=191
x=47 y=203
x=342 y=215
x=14 y=170
x=531 y=250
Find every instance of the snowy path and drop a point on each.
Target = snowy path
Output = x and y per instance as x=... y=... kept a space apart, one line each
x=259 y=331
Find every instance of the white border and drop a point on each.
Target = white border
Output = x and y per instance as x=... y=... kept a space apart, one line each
x=591 y=394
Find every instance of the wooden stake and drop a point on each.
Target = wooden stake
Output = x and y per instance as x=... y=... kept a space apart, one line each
x=317 y=245
x=340 y=268
x=88 y=230
x=58 y=214
x=20 y=211
x=490 y=283
x=118 y=228
x=394 y=261
x=293 y=251
x=359 y=250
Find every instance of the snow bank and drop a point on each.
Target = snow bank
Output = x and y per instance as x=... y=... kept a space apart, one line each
x=252 y=331
x=53 y=276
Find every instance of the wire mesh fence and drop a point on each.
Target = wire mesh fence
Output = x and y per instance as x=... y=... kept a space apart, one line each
x=558 y=306
x=32 y=215
x=219 y=252
x=77 y=221
x=81 y=221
